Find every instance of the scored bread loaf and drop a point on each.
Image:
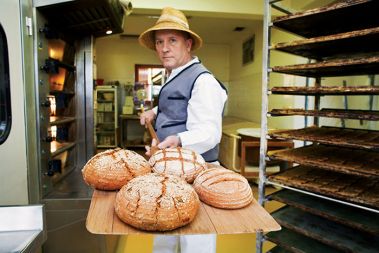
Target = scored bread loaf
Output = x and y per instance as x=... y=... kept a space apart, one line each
x=157 y=202
x=178 y=161
x=113 y=168
x=223 y=188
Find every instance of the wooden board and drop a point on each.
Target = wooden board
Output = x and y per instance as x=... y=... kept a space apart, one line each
x=350 y=216
x=102 y=219
x=344 y=160
x=345 y=137
x=348 y=188
x=295 y=242
x=326 y=231
x=342 y=16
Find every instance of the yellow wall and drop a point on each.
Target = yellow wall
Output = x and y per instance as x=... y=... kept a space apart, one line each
x=225 y=8
x=245 y=80
x=115 y=58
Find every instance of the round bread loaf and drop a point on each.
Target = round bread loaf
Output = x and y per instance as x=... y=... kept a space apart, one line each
x=112 y=169
x=178 y=161
x=157 y=202
x=223 y=188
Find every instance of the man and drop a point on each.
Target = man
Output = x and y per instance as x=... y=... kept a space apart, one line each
x=190 y=107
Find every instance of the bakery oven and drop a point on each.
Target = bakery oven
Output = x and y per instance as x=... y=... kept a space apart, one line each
x=65 y=31
x=64 y=35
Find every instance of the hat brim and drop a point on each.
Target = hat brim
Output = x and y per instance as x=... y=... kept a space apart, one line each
x=147 y=39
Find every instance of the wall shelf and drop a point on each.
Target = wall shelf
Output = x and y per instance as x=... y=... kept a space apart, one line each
x=106 y=116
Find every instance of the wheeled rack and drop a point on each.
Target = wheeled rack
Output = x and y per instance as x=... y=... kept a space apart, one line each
x=332 y=191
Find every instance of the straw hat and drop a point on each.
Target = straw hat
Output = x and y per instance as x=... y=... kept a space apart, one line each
x=170 y=19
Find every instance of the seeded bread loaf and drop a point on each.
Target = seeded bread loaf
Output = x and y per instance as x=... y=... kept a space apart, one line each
x=223 y=188
x=178 y=161
x=157 y=202
x=112 y=169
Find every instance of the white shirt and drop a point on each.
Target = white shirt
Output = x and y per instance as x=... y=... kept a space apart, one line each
x=204 y=121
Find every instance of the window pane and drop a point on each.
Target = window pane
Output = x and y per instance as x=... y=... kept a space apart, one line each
x=5 y=99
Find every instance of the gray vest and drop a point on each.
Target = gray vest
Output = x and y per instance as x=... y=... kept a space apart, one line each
x=173 y=102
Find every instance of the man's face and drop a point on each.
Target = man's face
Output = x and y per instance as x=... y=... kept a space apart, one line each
x=173 y=48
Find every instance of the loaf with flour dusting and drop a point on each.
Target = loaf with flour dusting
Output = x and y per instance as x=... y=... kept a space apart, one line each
x=178 y=161
x=112 y=169
x=157 y=202
x=223 y=188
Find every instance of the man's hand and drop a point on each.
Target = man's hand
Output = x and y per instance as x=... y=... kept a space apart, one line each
x=150 y=150
x=147 y=116
x=171 y=141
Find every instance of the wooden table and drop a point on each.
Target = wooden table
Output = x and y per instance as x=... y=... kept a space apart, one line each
x=102 y=219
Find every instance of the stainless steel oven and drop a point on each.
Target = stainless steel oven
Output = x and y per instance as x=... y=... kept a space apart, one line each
x=46 y=121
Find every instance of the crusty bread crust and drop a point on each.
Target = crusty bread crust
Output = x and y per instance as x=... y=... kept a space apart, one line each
x=178 y=161
x=112 y=169
x=157 y=202
x=223 y=188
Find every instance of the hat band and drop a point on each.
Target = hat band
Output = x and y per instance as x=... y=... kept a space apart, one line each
x=166 y=17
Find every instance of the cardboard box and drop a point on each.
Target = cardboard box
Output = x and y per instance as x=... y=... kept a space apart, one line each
x=127 y=109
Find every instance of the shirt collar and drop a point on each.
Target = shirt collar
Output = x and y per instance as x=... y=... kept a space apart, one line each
x=176 y=71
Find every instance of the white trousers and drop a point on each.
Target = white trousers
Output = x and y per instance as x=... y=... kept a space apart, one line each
x=185 y=244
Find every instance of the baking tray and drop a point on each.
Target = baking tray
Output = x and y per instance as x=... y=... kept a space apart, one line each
x=346 y=137
x=102 y=219
x=336 y=67
x=361 y=42
x=363 y=191
x=345 y=160
x=353 y=217
x=338 y=17
x=325 y=90
x=326 y=231
x=329 y=113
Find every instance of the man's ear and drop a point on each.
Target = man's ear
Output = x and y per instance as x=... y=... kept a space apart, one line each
x=189 y=44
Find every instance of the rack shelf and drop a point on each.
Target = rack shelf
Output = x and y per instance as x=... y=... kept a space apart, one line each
x=329 y=113
x=359 y=42
x=338 y=236
x=337 y=177
x=348 y=188
x=326 y=90
x=295 y=242
x=356 y=218
x=66 y=92
x=56 y=120
x=59 y=147
x=106 y=116
x=278 y=249
x=331 y=19
x=338 y=67
x=350 y=161
x=345 y=137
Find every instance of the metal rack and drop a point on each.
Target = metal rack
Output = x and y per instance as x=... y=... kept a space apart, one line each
x=338 y=172
x=106 y=116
